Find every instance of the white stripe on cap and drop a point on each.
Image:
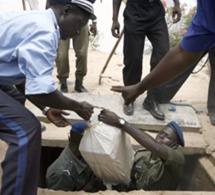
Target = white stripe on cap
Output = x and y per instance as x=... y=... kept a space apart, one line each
x=84 y=3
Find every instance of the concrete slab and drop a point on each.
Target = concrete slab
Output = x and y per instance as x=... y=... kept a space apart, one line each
x=58 y=137
x=109 y=192
x=184 y=115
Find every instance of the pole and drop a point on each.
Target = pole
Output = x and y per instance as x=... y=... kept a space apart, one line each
x=110 y=56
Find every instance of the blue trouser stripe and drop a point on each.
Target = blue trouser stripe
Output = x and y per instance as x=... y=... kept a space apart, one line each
x=22 y=152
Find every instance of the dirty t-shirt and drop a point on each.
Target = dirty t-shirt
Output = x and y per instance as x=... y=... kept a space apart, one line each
x=157 y=174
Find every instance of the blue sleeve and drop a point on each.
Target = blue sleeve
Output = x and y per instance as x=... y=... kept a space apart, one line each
x=36 y=56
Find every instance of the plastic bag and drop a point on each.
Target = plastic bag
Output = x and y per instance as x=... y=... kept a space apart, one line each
x=108 y=151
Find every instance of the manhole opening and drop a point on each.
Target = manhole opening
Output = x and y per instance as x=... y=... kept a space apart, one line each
x=195 y=176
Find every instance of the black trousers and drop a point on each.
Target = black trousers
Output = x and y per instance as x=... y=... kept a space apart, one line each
x=172 y=87
x=22 y=131
x=143 y=19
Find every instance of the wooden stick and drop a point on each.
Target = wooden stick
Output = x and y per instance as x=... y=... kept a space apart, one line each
x=23 y=5
x=110 y=56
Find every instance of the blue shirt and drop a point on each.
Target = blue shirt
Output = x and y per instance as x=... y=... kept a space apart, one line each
x=28 y=47
x=200 y=35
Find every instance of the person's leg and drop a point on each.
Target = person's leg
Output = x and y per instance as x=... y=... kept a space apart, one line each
x=175 y=62
x=80 y=45
x=211 y=90
x=22 y=131
x=134 y=39
x=159 y=38
x=62 y=63
x=168 y=90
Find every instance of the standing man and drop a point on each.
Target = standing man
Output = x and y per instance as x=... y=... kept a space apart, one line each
x=29 y=42
x=200 y=37
x=80 y=45
x=143 y=18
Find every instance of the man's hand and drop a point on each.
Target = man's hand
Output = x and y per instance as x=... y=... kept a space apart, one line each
x=129 y=93
x=115 y=29
x=56 y=117
x=93 y=28
x=85 y=111
x=176 y=13
x=109 y=118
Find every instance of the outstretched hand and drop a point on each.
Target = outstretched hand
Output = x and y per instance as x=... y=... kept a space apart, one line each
x=56 y=117
x=129 y=93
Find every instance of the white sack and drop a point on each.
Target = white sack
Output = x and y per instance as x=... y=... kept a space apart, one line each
x=108 y=151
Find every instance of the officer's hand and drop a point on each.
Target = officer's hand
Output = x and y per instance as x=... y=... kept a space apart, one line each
x=93 y=28
x=176 y=14
x=56 y=117
x=129 y=93
x=85 y=110
x=115 y=29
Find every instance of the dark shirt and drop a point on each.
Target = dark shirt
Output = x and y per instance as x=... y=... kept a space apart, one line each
x=149 y=174
x=69 y=173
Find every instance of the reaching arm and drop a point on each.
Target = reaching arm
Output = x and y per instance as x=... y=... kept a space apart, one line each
x=59 y=101
x=175 y=62
x=140 y=136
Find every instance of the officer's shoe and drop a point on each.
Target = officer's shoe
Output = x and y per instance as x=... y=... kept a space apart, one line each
x=154 y=109
x=212 y=118
x=128 y=109
x=64 y=87
x=79 y=87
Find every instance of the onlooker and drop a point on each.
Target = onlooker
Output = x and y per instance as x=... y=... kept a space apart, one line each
x=143 y=19
x=80 y=45
x=70 y=172
x=200 y=37
x=159 y=166
x=28 y=48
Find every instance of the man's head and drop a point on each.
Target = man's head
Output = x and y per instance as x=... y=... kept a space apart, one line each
x=77 y=131
x=76 y=134
x=171 y=135
x=72 y=15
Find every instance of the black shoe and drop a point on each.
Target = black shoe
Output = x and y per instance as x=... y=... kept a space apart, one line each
x=64 y=87
x=212 y=118
x=154 y=109
x=79 y=87
x=128 y=109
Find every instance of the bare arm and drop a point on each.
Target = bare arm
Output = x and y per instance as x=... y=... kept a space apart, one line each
x=175 y=62
x=59 y=101
x=140 y=136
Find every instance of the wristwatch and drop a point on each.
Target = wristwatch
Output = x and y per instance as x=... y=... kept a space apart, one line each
x=45 y=110
x=121 y=122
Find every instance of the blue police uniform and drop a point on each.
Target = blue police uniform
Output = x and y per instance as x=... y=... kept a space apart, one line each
x=27 y=51
x=200 y=35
